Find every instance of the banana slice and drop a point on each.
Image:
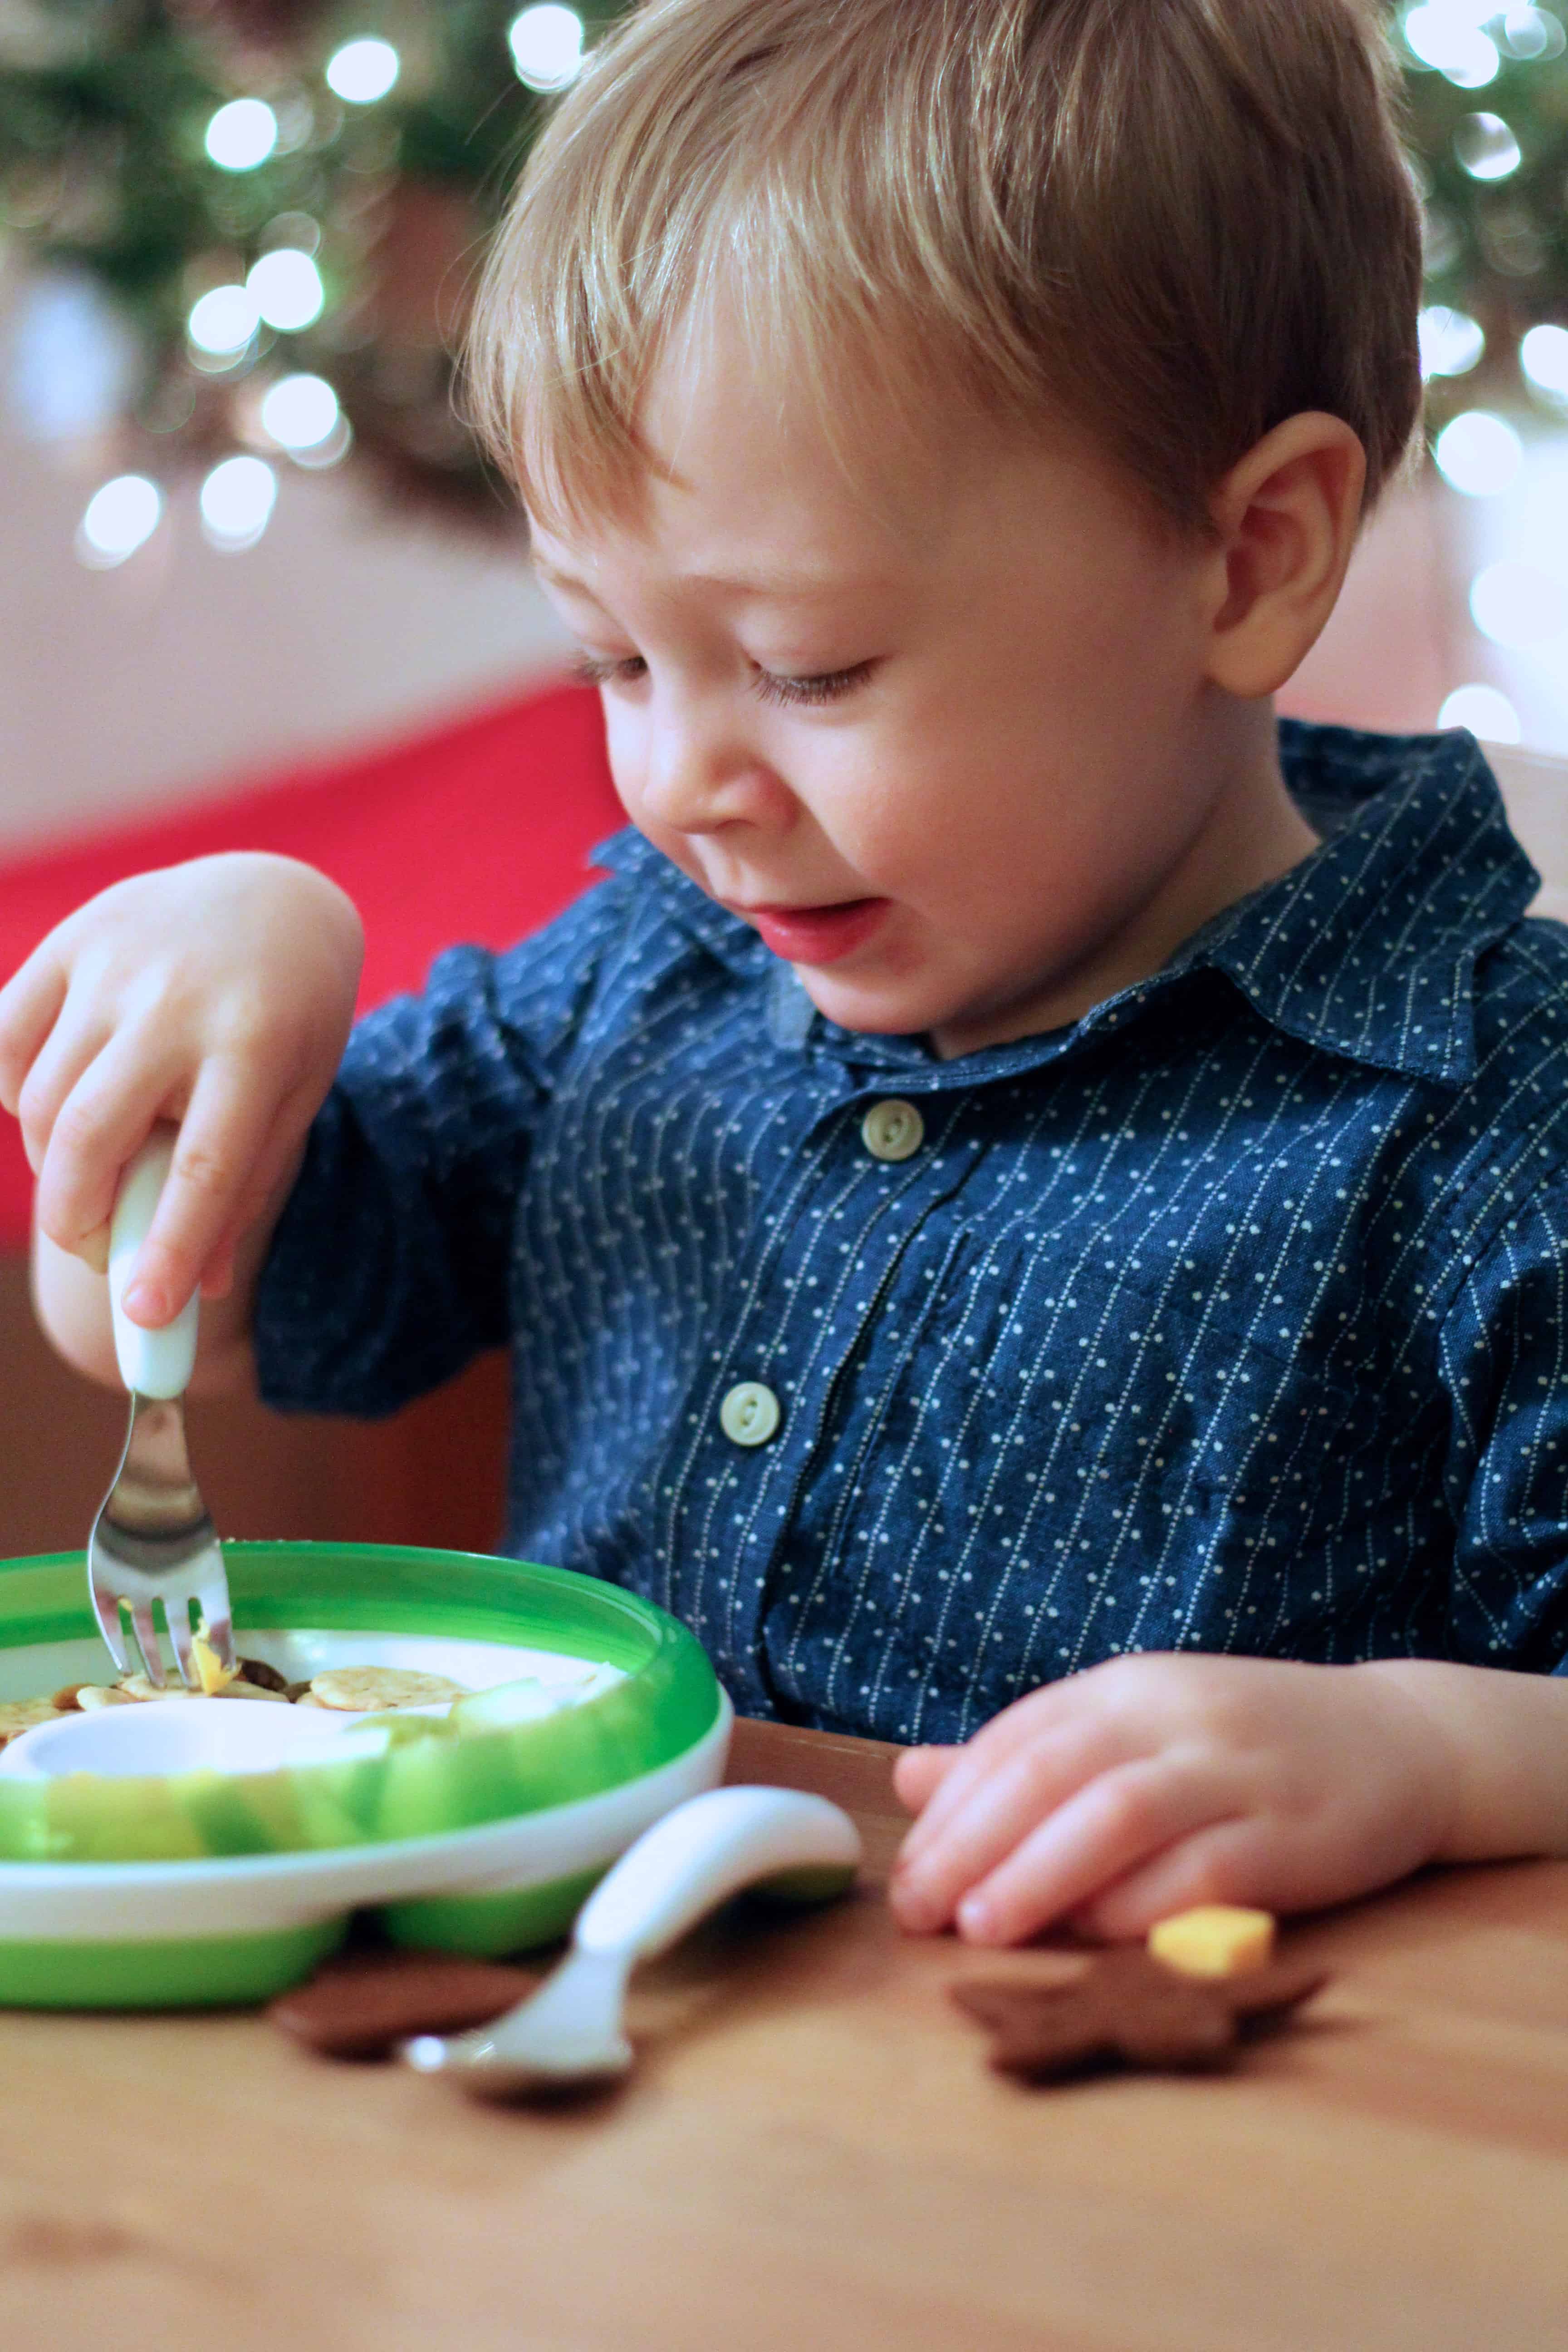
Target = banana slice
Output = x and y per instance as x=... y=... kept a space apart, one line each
x=365 y=1690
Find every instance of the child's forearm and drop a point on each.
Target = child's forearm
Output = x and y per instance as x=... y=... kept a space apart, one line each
x=1509 y=1737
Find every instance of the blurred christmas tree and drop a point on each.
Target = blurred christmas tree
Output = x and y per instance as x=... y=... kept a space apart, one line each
x=252 y=225
x=1487 y=94
x=252 y=228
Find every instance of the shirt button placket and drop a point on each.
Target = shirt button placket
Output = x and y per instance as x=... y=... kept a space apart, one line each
x=892 y=1129
x=750 y=1414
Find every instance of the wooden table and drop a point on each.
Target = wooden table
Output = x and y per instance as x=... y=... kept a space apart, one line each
x=813 y=2157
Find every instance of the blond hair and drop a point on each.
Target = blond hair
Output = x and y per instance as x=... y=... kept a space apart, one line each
x=1173 y=222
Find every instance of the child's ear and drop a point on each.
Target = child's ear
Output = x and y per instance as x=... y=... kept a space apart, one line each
x=1286 y=521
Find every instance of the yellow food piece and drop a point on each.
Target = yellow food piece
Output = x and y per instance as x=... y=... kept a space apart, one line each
x=360 y=1690
x=1215 y=1940
x=211 y=1671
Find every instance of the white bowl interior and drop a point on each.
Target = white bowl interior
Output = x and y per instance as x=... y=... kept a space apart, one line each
x=177 y=1735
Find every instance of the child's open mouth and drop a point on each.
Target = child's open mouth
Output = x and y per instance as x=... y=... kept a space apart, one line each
x=817 y=934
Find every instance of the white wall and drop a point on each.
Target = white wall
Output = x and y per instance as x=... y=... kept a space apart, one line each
x=185 y=667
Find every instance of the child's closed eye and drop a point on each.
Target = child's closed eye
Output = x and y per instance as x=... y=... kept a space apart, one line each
x=826 y=685
x=603 y=669
x=769 y=686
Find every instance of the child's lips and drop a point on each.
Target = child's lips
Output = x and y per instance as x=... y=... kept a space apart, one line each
x=817 y=935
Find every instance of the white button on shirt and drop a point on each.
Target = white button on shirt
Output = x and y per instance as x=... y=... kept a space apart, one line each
x=750 y=1414
x=892 y=1129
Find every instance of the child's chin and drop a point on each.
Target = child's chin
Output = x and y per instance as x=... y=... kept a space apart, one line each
x=872 y=1013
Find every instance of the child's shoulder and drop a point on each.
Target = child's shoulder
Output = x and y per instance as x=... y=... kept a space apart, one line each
x=1519 y=1011
x=1423 y=955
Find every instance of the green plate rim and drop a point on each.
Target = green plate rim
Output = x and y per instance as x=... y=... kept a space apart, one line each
x=484 y=1765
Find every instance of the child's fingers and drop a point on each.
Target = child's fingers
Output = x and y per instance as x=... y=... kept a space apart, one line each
x=1119 y=1821
x=224 y=1128
x=919 y=1773
x=98 y=1127
x=1028 y=1721
x=217 y=1275
x=277 y=1161
x=1220 y=1863
x=97 y=1124
x=30 y=1005
x=61 y=1061
x=1000 y=1811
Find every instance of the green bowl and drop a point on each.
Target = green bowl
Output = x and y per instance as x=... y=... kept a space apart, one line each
x=480 y=1832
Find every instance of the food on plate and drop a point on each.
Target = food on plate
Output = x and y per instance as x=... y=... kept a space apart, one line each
x=19 y=1715
x=1214 y=1939
x=344 y=1690
x=265 y=1677
x=211 y=1672
x=353 y=1690
x=372 y=1690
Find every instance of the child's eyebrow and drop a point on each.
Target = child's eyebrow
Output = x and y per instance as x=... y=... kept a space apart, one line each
x=779 y=587
x=776 y=587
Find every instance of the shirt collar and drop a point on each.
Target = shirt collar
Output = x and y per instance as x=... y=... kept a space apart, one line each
x=1367 y=948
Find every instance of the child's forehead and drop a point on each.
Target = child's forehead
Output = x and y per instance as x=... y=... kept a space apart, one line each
x=748 y=436
x=750 y=474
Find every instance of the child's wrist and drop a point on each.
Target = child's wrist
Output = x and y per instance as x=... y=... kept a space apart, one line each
x=1505 y=1735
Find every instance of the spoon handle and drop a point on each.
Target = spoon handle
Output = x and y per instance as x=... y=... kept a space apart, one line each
x=155 y=1364
x=708 y=1849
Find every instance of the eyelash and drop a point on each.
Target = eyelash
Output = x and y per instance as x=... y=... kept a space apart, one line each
x=791 y=693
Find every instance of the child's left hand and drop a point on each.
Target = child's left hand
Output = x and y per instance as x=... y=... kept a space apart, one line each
x=1153 y=1782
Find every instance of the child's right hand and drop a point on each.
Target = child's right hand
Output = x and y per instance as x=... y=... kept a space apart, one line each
x=216 y=994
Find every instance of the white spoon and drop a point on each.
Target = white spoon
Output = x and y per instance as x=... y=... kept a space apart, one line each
x=569 y=2031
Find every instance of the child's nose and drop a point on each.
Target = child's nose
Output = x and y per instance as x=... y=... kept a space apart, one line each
x=700 y=774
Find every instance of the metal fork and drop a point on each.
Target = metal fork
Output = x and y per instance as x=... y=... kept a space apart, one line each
x=153 y=1539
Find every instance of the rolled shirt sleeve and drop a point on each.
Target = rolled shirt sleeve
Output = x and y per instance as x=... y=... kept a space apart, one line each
x=389 y=1268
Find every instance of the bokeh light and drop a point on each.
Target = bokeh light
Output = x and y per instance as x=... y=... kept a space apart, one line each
x=237 y=502
x=1485 y=710
x=1451 y=39
x=299 y=412
x=546 y=44
x=286 y=287
x=1534 y=34
x=1480 y=454
x=119 y=517
x=242 y=134
x=1486 y=146
x=1544 y=356
x=1518 y=604
x=1451 y=341
x=363 y=72
x=222 y=320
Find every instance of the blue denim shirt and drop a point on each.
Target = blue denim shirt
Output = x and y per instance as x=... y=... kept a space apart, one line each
x=1230 y=1318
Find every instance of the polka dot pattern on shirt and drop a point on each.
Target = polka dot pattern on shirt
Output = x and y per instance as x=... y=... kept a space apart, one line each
x=1229 y=1319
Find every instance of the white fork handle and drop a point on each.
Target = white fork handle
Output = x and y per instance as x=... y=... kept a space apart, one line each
x=154 y=1364
x=704 y=1852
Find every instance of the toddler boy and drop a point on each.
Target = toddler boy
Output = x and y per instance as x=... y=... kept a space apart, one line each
x=1027 y=1207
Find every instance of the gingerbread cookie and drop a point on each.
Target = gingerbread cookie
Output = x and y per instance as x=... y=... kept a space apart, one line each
x=361 y=2004
x=1127 y=2008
